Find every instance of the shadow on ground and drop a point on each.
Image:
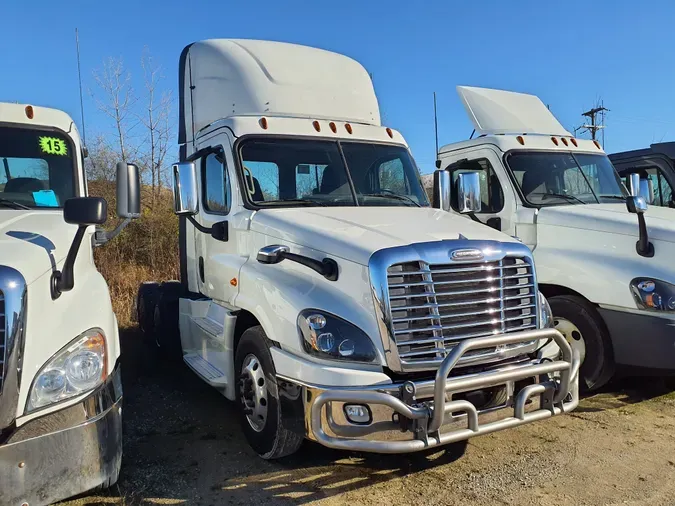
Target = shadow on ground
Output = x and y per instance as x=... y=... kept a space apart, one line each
x=183 y=444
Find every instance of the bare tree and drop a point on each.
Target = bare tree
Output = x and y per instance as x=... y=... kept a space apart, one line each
x=115 y=83
x=156 y=120
x=100 y=164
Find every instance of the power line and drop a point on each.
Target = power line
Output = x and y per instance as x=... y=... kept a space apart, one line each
x=596 y=115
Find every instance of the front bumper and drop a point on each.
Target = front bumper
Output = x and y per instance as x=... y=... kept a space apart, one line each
x=641 y=340
x=66 y=452
x=433 y=413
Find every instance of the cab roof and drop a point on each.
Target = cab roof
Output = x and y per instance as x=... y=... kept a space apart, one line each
x=221 y=78
x=41 y=116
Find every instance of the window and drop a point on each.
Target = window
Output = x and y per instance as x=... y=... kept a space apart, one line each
x=663 y=192
x=491 y=194
x=285 y=172
x=554 y=178
x=217 y=195
x=37 y=168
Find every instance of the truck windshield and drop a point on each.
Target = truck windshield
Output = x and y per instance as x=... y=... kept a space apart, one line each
x=36 y=168
x=549 y=178
x=290 y=172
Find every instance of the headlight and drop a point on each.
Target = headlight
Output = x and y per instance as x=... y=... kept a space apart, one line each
x=653 y=294
x=545 y=313
x=79 y=367
x=327 y=336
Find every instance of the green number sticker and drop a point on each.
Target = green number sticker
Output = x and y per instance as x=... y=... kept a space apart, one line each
x=53 y=146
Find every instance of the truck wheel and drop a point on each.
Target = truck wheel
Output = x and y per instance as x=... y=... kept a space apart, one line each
x=165 y=333
x=146 y=299
x=258 y=398
x=579 y=322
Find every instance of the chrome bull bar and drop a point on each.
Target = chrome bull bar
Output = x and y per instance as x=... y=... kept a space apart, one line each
x=428 y=418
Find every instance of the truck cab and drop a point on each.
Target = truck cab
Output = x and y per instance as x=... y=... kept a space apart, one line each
x=603 y=263
x=319 y=289
x=655 y=166
x=60 y=385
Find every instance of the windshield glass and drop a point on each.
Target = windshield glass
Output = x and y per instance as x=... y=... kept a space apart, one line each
x=550 y=178
x=36 y=168
x=287 y=172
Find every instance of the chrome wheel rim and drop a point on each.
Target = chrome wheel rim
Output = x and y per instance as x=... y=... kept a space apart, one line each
x=572 y=335
x=253 y=392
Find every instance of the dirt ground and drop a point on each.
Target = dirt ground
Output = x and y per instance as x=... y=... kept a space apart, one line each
x=182 y=445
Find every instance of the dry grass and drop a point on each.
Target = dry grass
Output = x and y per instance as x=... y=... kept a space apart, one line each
x=147 y=250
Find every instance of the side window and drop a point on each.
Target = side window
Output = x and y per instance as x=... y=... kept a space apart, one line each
x=491 y=194
x=663 y=192
x=217 y=197
x=392 y=177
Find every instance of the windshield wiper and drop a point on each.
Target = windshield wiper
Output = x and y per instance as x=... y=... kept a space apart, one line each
x=620 y=197
x=307 y=202
x=561 y=195
x=13 y=205
x=392 y=195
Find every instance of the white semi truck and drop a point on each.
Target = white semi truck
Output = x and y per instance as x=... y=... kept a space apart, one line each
x=603 y=263
x=319 y=290
x=60 y=384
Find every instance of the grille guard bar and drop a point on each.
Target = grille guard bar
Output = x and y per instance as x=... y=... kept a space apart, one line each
x=429 y=419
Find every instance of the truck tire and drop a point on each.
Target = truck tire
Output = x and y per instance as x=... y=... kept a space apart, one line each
x=165 y=332
x=582 y=326
x=257 y=400
x=146 y=299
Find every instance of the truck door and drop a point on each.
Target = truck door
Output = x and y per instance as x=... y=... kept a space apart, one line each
x=218 y=260
x=497 y=197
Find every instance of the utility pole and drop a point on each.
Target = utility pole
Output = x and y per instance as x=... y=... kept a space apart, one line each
x=594 y=114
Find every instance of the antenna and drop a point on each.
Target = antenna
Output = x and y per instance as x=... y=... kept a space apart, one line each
x=79 y=78
x=436 y=124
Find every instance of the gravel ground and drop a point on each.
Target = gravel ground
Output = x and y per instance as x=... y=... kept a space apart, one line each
x=182 y=445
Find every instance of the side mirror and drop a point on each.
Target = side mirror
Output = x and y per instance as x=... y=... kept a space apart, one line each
x=128 y=190
x=185 y=198
x=638 y=205
x=81 y=211
x=647 y=190
x=441 y=198
x=634 y=184
x=85 y=211
x=468 y=192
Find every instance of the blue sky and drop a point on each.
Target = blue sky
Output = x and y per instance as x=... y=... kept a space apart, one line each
x=569 y=53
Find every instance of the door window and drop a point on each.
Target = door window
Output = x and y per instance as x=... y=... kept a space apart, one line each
x=217 y=195
x=663 y=192
x=492 y=196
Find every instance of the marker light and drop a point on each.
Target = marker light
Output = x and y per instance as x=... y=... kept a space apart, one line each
x=564 y=141
x=597 y=144
x=520 y=140
x=555 y=141
x=317 y=126
x=390 y=133
x=29 y=112
x=333 y=127
x=348 y=127
x=263 y=123
x=574 y=141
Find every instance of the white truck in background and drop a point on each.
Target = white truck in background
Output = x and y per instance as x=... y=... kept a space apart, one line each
x=602 y=262
x=319 y=290
x=60 y=384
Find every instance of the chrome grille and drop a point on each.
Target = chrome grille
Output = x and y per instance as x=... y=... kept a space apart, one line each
x=3 y=334
x=434 y=306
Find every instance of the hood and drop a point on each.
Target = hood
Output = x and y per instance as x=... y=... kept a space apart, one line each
x=33 y=242
x=355 y=233
x=611 y=218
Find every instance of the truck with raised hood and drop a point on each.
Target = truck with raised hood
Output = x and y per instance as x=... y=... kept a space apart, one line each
x=319 y=290
x=655 y=167
x=60 y=384
x=603 y=261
